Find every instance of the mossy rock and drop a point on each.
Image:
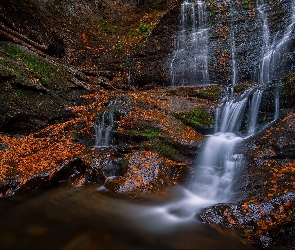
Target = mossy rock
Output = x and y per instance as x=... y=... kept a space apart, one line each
x=211 y=92
x=34 y=91
x=199 y=118
x=240 y=87
x=32 y=70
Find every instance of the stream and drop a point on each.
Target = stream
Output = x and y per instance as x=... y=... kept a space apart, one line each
x=89 y=217
x=83 y=218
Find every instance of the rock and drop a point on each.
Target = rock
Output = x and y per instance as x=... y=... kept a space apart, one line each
x=288 y=91
x=69 y=170
x=34 y=91
x=263 y=223
x=4 y=147
x=103 y=163
x=146 y=172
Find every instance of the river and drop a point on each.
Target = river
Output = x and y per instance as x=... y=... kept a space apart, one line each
x=83 y=218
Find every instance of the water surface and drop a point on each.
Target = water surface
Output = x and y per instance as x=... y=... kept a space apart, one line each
x=83 y=218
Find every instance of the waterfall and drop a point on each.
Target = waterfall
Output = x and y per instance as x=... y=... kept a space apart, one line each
x=218 y=166
x=233 y=50
x=231 y=116
x=104 y=126
x=253 y=112
x=266 y=51
x=275 y=56
x=237 y=117
x=189 y=64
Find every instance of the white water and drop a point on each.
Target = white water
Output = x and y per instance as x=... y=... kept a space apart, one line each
x=231 y=116
x=104 y=126
x=264 y=67
x=218 y=166
x=233 y=50
x=189 y=65
x=253 y=112
x=219 y=162
x=275 y=56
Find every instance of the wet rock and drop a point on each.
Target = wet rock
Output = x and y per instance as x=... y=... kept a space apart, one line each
x=4 y=147
x=264 y=223
x=69 y=170
x=288 y=91
x=153 y=56
x=103 y=163
x=124 y=148
x=9 y=186
x=146 y=172
x=155 y=127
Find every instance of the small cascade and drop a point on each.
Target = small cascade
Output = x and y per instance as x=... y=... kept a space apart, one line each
x=189 y=64
x=218 y=167
x=104 y=126
x=231 y=116
x=236 y=118
x=253 y=111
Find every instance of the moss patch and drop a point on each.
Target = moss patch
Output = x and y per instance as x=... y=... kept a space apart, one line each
x=26 y=65
x=197 y=118
x=160 y=146
x=211 y=93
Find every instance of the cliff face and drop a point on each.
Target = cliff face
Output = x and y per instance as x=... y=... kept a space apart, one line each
x=134 y=42
x=94 y=35
x=75 y=47
x=240 y=24
x=241 y=34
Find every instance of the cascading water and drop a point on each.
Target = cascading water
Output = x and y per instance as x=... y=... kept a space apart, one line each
x=253 y=112
x=104 y=125
x=233 y=51
x=276 y=55
x=189 y=65
x=218 y=162
x=237 y=117
x=103 y=128
x=267 y=50
x=218 y=166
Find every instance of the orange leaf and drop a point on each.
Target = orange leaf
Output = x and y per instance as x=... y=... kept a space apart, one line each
x=230 y=220
x=282 y=209
x=288 y=203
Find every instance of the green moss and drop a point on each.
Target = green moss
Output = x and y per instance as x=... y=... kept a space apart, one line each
x=27 y=65
x=164 y=149
x=213 y=10
x=197 y=118
x=241 y=87
x=159 y=146
x=212 y=93
x=143 y=27
x=147 y=133
x=119 y=44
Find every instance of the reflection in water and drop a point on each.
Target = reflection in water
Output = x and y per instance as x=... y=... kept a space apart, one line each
x=82 y=218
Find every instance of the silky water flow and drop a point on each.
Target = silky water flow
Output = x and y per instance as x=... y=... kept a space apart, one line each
x=220 y=161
